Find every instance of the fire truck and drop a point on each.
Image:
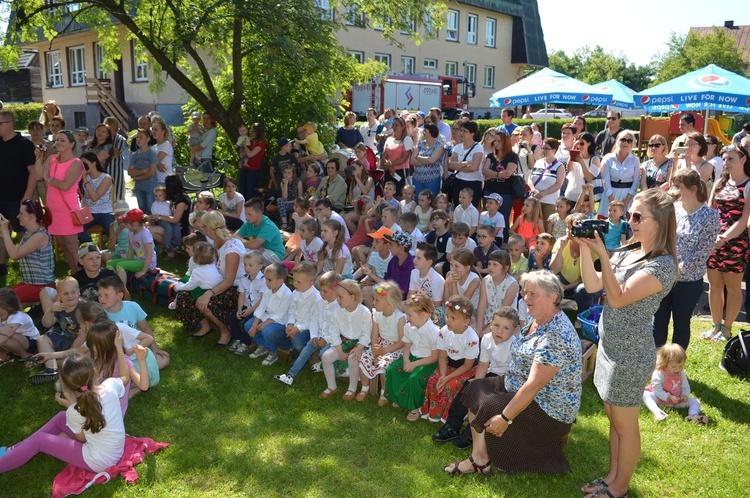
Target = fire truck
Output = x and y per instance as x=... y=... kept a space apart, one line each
x=413 y=92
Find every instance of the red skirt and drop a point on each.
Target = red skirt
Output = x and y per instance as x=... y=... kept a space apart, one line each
x=438 y=402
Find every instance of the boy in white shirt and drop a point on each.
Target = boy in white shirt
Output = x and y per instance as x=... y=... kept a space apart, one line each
x=325 y=309
x=408 y=222
x=324 y=211
x=251 y=288
x=494 y=358
x=459 y=239
x=465 y=211
x=493 y=216
x=270 y=316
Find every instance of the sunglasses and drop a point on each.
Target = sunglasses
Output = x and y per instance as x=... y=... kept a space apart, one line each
x=612 y=118
x=654 y=146
x=627 y=140
x=637 y=217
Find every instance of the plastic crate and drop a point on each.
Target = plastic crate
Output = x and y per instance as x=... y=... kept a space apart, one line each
x=590 y=323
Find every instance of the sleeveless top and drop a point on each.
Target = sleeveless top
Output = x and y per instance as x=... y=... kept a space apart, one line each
x=38 y=267
x=104 y=203
x=496 y=295
x=463 y=287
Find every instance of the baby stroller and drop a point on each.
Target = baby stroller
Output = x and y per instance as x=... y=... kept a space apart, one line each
x=195 y=181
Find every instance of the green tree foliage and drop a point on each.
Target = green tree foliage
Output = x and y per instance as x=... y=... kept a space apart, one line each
x=691 y=52
x=595 y=65
x=239 y=60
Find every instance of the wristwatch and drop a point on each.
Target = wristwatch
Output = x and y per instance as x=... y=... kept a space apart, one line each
x=507 y=420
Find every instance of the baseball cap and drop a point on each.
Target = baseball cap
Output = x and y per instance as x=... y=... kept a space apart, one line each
x=495 y=197
x=421 y=114
x=121 y=207
x=381 y=233
x=132 y=215
x=83 y=129
x=283 y=142
x=86 y=248
x=195 y=115
x=401 y=238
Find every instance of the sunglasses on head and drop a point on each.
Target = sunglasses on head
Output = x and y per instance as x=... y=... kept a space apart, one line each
x=627 y=140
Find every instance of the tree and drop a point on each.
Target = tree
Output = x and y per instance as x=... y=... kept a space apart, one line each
x=239 y=60
x=595 y=65
x=691 y=52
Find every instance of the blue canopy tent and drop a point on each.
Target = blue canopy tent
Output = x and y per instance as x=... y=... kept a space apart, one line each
x=622 y=96
x=548 y=86
x=711 y=89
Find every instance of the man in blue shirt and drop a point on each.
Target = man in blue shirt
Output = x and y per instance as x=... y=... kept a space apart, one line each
x=507 y=116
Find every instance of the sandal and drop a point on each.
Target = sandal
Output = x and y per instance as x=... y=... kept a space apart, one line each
x=484 y=470
x=724 y=334
x=605 y=492
x=328 y=392
x=362 y=395
x=414 y=415
x=348 y=395
x=594 y=486
x=715 y=330
x=382 y=401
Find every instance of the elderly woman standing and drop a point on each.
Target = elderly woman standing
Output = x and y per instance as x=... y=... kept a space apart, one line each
x=621 y=173
x=636 y=280
x=518 y=421
x=62 y=172
x=697 y=228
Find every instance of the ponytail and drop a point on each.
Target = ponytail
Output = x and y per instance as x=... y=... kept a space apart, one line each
x=77 y=374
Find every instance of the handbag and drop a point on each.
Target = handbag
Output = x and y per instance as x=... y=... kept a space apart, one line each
x=81 y=215
x=519 y=189
x=448 y=181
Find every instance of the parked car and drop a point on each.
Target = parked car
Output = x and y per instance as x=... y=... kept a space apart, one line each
x=551 y=114
x=599 y=112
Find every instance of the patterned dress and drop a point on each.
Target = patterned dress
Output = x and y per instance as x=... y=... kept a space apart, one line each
x=496 y=294
x=388 y=336
x=732 y=256
x=627 y=354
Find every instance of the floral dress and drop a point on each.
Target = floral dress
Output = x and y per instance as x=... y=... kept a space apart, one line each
x=732 y=256
x=388 y=336
x=496 y=295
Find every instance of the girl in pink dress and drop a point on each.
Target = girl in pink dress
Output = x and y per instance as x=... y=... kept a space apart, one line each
x=62 y=174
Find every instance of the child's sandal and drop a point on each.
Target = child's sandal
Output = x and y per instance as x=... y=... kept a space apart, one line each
x=328 y=393
x=348 y=395
x=414 y=415
x=382 y=401
x=362 y=395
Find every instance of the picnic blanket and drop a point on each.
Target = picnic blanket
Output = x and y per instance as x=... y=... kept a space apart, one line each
x=74 y=480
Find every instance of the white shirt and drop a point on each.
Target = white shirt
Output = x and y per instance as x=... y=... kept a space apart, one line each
x=161 y=208
x=26 y=324
x=718 y=164
x=469 y=153
x=403 y=207
x=416 y=237
x=302 y=310
x=423 y=339
x=497 y=355
x=470 y=245
x=129 y=336
x=232 y=246
x=274 y=305
x=388 y=325
x=253 y=289
x=463 y=287
x=331 y=261
x=355 y=324
x=105 y=448
x=380 y=264
x=445 y=131
x=324 y=312
x=497 y=221
x=459 y=346
x=368 y=135
x=310 y=251
x=424 y=218
x=166 y=147
x=336 y=216
x=202 y=277
x=232 y=204
x=432 y=285
x=469 y=215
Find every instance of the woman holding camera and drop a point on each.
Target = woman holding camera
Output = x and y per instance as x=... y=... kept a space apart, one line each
x=635 y=280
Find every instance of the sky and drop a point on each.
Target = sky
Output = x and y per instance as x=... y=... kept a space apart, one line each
x=638 y=29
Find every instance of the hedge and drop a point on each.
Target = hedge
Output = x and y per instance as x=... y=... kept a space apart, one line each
x=554 y=126
x=24 y=113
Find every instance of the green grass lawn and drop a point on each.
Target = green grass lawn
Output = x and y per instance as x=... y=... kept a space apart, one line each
x=234 y=431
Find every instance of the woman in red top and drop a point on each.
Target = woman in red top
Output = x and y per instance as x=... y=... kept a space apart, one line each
x=252 y=156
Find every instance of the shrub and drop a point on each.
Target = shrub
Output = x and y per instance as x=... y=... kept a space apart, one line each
x=554 y=126
x=24 y=113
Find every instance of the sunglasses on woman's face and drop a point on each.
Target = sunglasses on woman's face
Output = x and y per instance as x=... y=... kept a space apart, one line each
x=654 y=146
x=627 y=140
x=636 y=217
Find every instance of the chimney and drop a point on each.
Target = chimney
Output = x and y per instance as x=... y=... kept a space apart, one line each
x=730 y=25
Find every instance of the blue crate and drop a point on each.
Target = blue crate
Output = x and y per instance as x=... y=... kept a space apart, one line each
x=590 y=323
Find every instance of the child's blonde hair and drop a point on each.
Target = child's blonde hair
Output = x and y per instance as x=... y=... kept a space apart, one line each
x=618 y=204
x=67 y=280
x=463 y=256
x=329 y=279
x=208 y=198
x=254 y=256
x=352 y=287
x=420 y=303
x=460 y=304
x=305 y=269
x=467 y=191
x=443 y=197
x=160 y=188
x=669 y=352
x=338 y=243
x=516 y=240
x=310 y=127
x=409 y=187
x=536 y=213
x=390 y=291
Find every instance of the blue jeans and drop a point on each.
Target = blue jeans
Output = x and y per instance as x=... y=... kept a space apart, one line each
x=263 y=337
x=304 y=357
x=172 y=234
x=679 y=303
x=278 y=338
x=248 y=186
x=585 y=300
x=433 y=186
x=505 y=210
x=103 y=220
x=145 y=198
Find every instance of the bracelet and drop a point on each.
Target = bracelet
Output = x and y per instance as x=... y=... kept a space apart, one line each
x=507 y=420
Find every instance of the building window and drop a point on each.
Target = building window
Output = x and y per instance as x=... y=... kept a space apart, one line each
x=489 y=76
x=451 y=68
x=430 y=64
x=140 y=66
x=355 y=16
x=98 y=58
x=429 y=26
x=77 y=66
x=470 y=72
x=412 y=27
x=79 y=118
x=407 y=65
x=384 y=58
x=451 y=27
x=471 y=29
x=359 y=56
x=489 y=32
x=325 y=9
x=54 y=69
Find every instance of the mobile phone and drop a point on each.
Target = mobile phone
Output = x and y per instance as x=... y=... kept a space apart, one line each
x=574 y=154
x=397 y=177
x=680 y=150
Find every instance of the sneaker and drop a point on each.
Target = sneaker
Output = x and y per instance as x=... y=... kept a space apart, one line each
x=262 y=350
x=317 y=367
x=445 y=434
x=241 y=350
x=285 y=379
x=234 y=345
x=46 y=376
x=464 y=440
x=270 y=359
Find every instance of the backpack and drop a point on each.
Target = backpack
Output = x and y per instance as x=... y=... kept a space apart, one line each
x=736 y=360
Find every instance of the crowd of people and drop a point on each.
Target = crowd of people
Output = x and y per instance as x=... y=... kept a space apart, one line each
x=423 y=261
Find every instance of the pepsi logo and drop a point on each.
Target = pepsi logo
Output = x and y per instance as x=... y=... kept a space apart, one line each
x=747 y=102
x=585 y=98
x=675 y=106
x=613 y=102
x=645 y=99
x=507 y=101
x=712 y=81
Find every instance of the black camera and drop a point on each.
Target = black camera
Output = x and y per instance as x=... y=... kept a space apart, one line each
x=586 y=228
x=42 y=147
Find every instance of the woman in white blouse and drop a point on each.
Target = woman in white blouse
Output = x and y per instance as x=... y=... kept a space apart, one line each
x=466 y=162
x=621 y=172
x=547 y=177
